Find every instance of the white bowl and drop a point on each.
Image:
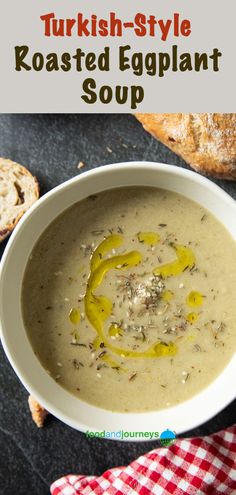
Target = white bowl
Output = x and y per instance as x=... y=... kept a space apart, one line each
x=54 y=398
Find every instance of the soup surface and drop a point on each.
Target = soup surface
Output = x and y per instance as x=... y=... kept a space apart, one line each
x=128 y=299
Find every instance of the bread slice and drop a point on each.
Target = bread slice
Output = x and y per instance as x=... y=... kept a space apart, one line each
x=18 y=191
x=38 y=412
x=207 y=141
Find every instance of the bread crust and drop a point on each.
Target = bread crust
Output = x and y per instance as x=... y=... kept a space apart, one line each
x=206 y=141
x=38 y=412
x=18 y=191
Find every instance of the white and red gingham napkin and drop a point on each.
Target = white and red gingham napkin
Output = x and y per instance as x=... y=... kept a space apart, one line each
x=195 y=466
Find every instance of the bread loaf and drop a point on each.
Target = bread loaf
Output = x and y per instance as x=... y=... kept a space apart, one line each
x=206 y=141
x=18 y=191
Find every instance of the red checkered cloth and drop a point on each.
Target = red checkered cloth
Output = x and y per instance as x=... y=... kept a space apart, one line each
x=195 y=466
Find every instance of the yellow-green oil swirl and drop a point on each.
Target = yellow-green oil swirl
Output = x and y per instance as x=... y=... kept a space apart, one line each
x=185 y=260
x=149 y=238
x=74 y=316
x=194 y=299
x=98 y=308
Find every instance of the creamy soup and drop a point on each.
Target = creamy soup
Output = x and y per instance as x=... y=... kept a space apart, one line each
x=129 y=299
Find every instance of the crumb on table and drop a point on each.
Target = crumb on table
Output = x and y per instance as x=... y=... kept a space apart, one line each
x=38 y=412
x=81 y=165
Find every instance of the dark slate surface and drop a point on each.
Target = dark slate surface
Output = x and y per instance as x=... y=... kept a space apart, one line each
x=51 y=147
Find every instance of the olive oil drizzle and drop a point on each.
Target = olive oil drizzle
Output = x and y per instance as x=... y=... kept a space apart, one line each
x=74 y=316
x=185 y=260
x=192 y=317
x=98 y=308
x=111 y=242
x=194 y=299
x=149 y=238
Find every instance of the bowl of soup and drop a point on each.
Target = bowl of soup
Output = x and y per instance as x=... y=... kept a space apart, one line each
x=117 y=300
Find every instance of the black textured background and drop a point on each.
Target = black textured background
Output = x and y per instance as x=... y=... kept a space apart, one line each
x=51 y=147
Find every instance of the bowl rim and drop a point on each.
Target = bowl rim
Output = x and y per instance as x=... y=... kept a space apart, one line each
x=9 y=251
